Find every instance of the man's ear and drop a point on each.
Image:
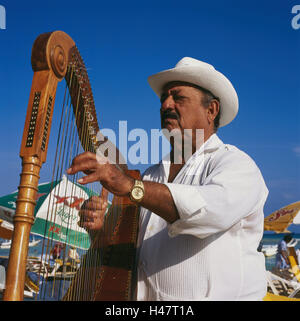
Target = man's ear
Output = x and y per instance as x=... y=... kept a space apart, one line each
x=213 y=110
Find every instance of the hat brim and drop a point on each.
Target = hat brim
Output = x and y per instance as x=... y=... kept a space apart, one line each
x=207 y=78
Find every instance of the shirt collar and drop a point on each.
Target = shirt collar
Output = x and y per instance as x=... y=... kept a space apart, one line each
x=212 y=144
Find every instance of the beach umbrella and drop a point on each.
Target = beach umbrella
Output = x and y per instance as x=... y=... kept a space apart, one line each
x=56 y=212
x=281 y=219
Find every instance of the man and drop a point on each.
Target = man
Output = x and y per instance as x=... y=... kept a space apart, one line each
x=201 y=217
x=56 y=251
x=282 y=256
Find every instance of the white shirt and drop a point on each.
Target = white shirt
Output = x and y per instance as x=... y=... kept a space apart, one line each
x=210 y=253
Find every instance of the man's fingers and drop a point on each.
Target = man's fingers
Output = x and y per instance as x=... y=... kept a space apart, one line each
x=83 y=162
x=87 y=225
x=88 y=215
x=104 y=195
x=90 y=220
x=94 y=177
x=87 y=218
x=95 y=203
x=86 y=166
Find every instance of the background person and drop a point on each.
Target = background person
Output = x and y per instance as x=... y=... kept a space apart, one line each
x=282 y=255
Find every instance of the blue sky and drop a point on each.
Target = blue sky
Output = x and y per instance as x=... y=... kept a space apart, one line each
x=123 y=42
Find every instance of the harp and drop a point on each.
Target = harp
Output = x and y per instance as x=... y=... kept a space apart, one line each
x=106 y=270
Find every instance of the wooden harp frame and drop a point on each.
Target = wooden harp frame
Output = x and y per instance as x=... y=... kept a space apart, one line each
x=53 y=55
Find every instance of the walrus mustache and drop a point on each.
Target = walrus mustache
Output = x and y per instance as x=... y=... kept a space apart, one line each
x=168 y=114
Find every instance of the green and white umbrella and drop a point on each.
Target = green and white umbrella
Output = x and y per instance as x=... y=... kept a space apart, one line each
x=56 y=212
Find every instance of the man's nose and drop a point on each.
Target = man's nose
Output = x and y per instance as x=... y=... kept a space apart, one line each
x=168 y=103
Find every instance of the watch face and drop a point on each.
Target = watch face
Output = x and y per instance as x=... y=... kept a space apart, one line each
x=137 y=193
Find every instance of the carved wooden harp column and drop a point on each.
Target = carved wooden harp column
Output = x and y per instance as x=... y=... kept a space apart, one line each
x=54 y=57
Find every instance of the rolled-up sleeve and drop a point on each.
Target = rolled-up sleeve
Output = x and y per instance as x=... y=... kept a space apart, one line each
x=232 y=190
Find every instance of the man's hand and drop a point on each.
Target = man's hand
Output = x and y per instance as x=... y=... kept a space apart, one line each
x=157 y=198
x=99 y=169
x=92 y=212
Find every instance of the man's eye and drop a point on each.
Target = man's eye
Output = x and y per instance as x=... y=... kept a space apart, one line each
x=177 y=97
x=163 y=98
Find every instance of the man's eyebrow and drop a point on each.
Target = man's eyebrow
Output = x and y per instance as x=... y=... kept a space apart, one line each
x=175 y=91
x=172 y=92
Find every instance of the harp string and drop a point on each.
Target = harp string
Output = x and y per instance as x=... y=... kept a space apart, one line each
x=71 y=155
x=85 y=139
x=74 y=144
x=53 y=206
x=64 y=131
x=69 y=145
x=45 y=253
x=66 y=147
x=90 y=260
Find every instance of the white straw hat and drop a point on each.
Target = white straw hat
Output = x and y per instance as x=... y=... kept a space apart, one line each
x=204 y=75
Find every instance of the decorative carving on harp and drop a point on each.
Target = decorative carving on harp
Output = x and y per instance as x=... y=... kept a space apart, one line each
x=107 y=269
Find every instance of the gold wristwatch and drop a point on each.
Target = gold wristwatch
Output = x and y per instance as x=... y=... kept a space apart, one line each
x=137 y=192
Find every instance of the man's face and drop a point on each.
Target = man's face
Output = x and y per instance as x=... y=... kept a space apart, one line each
x=181 y=108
